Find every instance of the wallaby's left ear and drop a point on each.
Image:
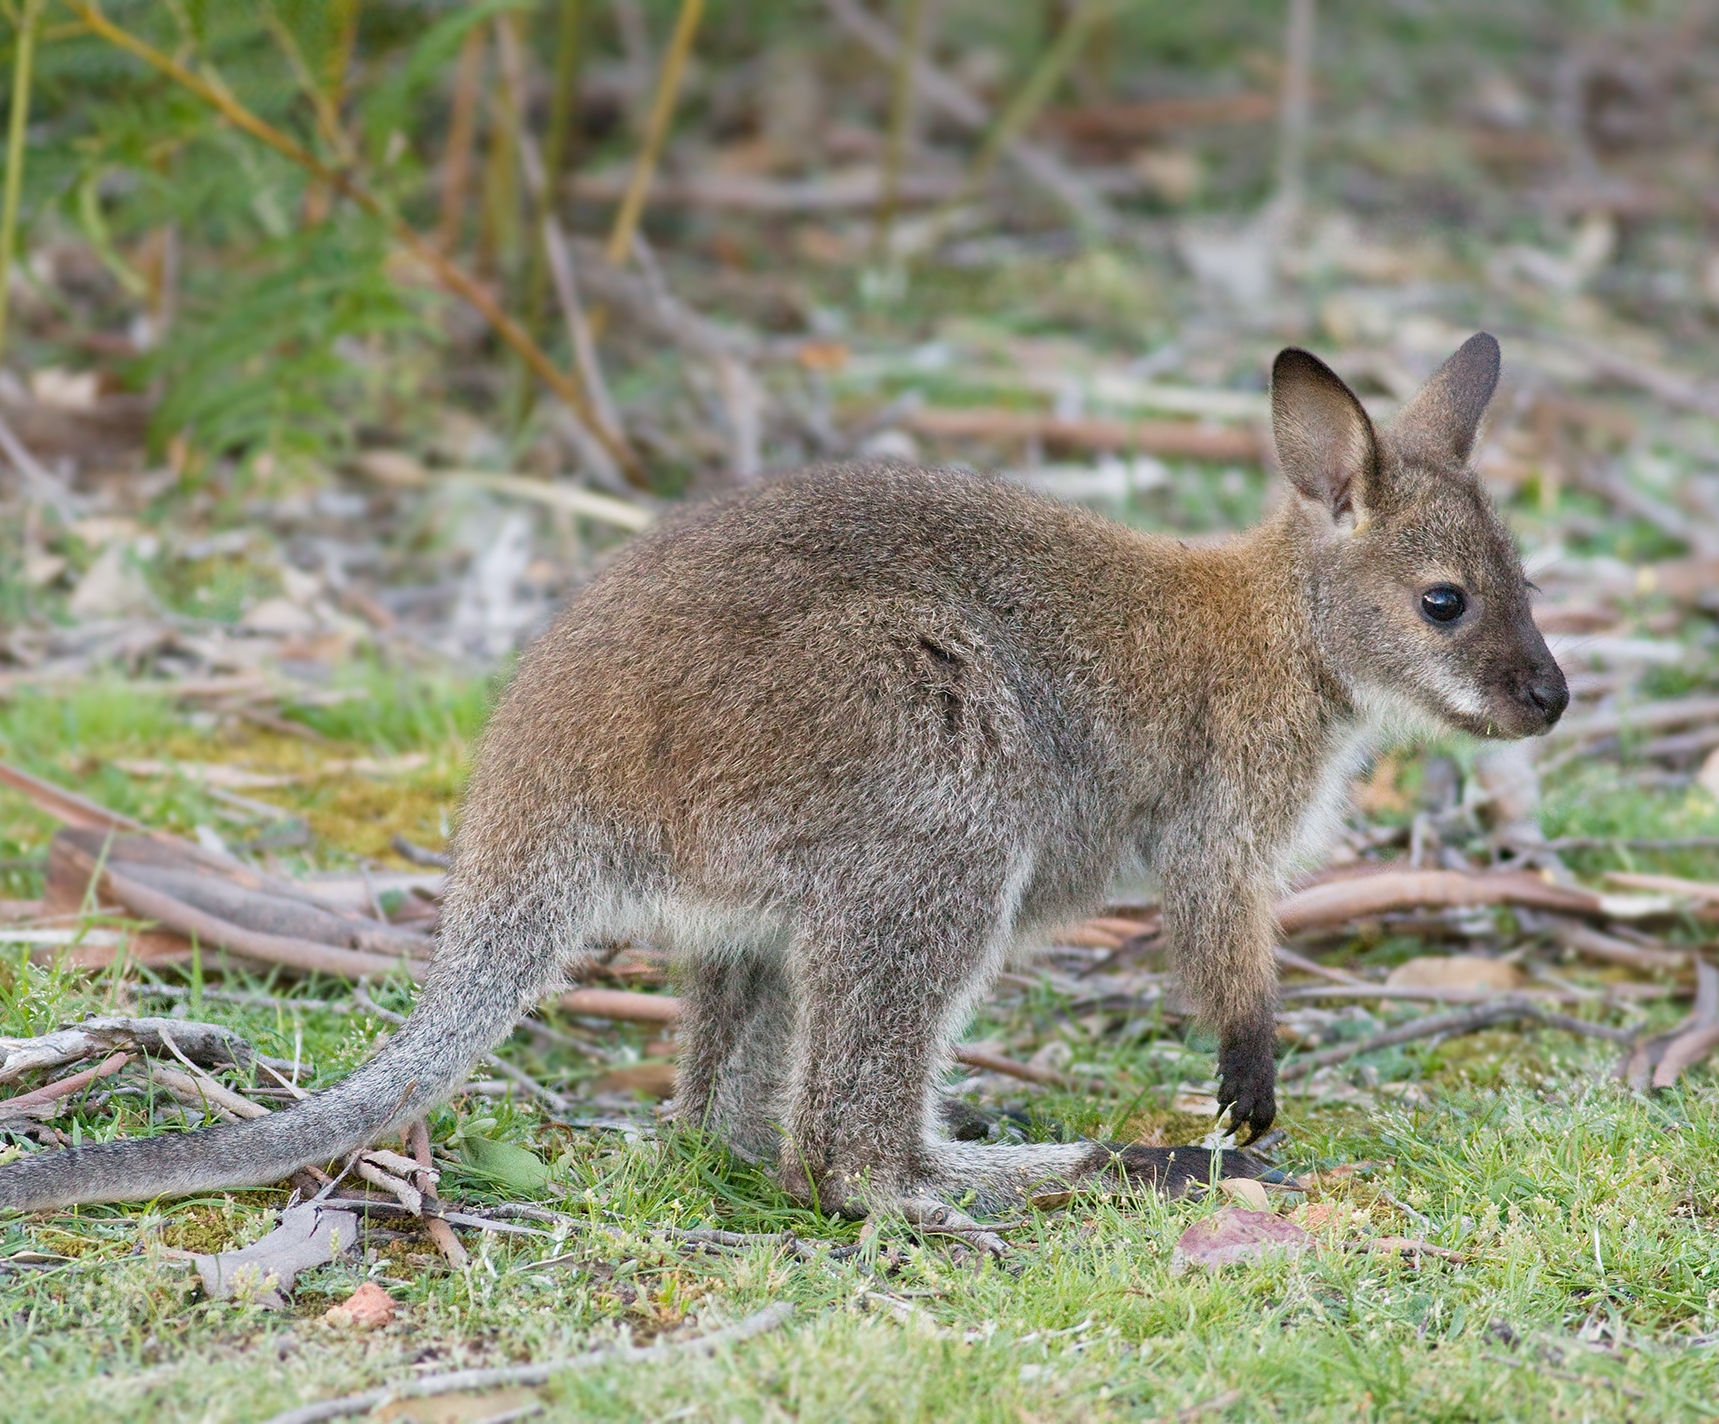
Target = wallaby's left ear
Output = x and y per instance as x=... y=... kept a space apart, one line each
x=1437 y=428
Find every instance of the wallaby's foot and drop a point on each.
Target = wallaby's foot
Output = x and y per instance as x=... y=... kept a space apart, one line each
x=1247 y=1075
x=1169 y=1171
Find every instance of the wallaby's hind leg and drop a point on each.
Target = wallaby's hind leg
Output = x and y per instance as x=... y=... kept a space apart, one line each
x=736 y=1022
x=878 y=987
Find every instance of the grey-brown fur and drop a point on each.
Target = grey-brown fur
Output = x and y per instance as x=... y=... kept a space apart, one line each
x=844 y=740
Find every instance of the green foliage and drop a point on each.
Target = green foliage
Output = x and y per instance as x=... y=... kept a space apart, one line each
x=282 y=367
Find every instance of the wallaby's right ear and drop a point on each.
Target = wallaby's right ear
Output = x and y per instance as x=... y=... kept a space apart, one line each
x=1325 y=442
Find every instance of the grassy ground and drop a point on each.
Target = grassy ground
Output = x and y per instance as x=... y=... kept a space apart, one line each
x=1589 y=1216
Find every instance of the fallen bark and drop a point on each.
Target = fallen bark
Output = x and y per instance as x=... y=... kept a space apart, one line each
x=301 y=954
x=207 y=1045
x=32 y=1104
x=1338 y=902
x=1185 y=439
x=622 y=1004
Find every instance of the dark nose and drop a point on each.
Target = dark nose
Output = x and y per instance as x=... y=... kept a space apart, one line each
x=1551 y=695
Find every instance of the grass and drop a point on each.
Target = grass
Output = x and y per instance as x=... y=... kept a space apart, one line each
x=1590 y=1215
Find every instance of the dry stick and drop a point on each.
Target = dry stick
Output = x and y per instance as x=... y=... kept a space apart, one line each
x=1022 y=109
x=1295 y=110
x=65 y=1086
x=454 y=278
x=22 y=63
x=900 y=122
x=462 y=134
x=656 y=130
x=1609 y=949
x=1289 y=959
x=556 y=139
x=439 y=1232
x=1468 y=1021
x=772 y=1317
x=214 y=1091
x=944 y=94
x=554 y=241
x=67 y=806
x=1339 y=901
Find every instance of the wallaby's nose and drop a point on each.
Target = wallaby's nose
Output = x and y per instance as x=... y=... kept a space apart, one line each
x=1551 y=695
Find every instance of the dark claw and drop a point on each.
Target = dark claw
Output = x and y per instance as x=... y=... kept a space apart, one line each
x=1248 y=1078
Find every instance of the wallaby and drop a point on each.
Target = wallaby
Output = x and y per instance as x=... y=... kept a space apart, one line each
x=843 y=740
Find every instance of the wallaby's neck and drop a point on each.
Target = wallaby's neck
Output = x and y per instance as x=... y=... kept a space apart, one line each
x=1281 y=572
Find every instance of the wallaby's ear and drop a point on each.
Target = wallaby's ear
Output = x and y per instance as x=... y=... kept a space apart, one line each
x=1324 y=439
x=1437 y=428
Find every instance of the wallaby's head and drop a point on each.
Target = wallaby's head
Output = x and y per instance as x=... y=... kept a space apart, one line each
x=1418 y=587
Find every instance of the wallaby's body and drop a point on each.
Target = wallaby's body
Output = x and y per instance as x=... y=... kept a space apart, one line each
x=843 y=741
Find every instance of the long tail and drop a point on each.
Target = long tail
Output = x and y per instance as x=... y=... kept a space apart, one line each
x=458 y=1016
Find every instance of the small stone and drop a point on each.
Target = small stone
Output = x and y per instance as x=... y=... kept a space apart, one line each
x=367 y=1308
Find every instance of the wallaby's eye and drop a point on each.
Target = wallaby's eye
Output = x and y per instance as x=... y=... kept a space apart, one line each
x=1444 y=603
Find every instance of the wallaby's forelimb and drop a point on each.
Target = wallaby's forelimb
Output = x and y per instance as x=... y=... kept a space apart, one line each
x=1217 y=917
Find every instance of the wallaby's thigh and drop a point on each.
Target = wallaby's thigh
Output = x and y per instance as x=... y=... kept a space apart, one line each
x=735 y=1028
x=882 y=978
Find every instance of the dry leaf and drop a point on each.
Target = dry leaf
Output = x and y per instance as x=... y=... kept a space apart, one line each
x=464 y=1408
x=1235 y=1237
x=1456 y=971
x=307 y=1236
x=367 y=1308
x=1323 y=1217
x=1244 y=1191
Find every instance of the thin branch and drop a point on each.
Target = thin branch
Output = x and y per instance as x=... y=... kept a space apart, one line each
x=772 y=1317
x=1023 y=108
x=454 y=278
x=900 y=123
x=462 y=133
x=554 y=245
x=1467 y=1021
x=656 y=130
x=22 y=64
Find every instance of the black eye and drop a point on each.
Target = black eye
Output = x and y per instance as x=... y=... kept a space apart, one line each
x=1444 y=603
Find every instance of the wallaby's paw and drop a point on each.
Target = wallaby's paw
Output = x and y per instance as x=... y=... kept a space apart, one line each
x=964 y=1122
x=1247 y=1077
x=938 y=1218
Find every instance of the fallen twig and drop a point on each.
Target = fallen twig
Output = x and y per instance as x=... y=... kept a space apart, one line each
x=1659 y=1060
x=27 y=1105
x=656 y=130
x=1594 y=944
x=772 y=1317
x=209 y=1045
x=943 y=93
x=439 y=1232
x=1469 y=1021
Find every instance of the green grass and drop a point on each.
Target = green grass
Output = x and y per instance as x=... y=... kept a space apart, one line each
x=1589 y=1215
